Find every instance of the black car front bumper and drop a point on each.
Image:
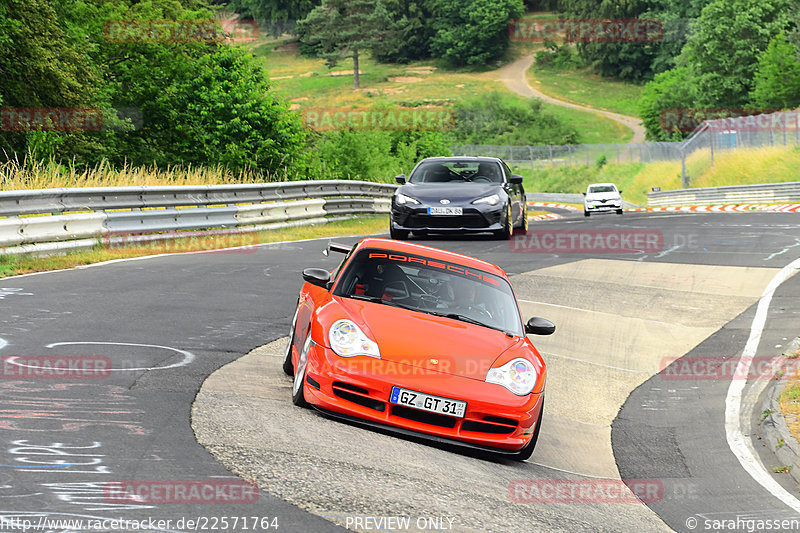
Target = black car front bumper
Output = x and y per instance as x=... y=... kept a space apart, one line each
x=474 y=219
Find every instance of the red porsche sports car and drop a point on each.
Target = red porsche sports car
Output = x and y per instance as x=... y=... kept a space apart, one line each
x=420 y=341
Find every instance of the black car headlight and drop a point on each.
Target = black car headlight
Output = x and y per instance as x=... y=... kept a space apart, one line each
x=492 y=199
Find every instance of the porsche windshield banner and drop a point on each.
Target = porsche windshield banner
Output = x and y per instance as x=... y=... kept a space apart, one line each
x=433 y=264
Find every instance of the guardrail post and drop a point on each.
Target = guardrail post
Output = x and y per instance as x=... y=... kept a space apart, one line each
x=684 y=177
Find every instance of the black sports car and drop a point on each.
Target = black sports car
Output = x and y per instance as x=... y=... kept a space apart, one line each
x=459 y=194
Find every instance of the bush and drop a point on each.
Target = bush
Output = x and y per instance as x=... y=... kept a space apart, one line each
x=557 y=57
x=495 y=118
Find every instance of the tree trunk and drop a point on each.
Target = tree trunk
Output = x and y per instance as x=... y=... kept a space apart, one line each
x=356 y=84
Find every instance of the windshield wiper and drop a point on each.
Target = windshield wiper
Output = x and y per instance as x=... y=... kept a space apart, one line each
x=464 y=318
x=378 y=300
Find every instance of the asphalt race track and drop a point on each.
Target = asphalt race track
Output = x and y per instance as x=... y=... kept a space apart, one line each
x=164 y=324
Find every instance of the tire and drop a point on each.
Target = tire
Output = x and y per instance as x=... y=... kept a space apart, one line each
x=508 y=228
x=288 y=366
x=397 y=234
x=525 y=453
x=586 y=213
x=298 y=397
x=619 y=211
x=523 y=225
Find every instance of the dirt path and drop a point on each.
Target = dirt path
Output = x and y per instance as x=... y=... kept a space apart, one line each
x=514 y=77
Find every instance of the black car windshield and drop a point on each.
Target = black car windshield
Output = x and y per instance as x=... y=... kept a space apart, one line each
x=431 y=286
x=602 y=188
x=455 y=171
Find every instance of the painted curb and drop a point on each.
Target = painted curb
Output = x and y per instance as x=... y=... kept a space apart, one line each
x=773 y=429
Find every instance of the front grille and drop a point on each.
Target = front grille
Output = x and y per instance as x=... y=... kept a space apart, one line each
x=501 y=420
x=357 y=395
x=463 y=221
x=425 y=417
x=483 y=427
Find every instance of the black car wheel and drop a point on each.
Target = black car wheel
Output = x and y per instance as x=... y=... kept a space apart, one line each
x=288 y=366
x=298 y=398
x=586 y=213
x=619 y=211
x=508 y=228
x=523 y=224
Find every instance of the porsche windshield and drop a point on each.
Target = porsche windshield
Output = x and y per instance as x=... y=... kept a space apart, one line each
x=431 y=286
x=456 y=171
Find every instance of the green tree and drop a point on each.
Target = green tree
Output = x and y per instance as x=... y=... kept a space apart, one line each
x=41 y=65
x=665 y=105
x=408 y=37
x=777 y=81
x=473 y=32
x=726 y=42
x=279 y=15
x=622 y=58
x=340 y=29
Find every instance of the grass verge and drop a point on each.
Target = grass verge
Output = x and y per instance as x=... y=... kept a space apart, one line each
x=583 y=87
x=11 y=265
x=790 y=402
x=751 y=166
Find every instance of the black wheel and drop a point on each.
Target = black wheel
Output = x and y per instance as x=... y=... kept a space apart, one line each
x=526 y=452
x=508 y=228
x=586 y=213
x=288 y=366
x=298 y=398
x=619 y=211
x=523 y=225
x=397 y=234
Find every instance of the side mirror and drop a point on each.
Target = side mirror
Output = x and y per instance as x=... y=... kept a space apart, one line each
x=583 y=193
x=620 y=191
x=516 y=179
x=317 y=276
x=400 y=178
x=539 y=326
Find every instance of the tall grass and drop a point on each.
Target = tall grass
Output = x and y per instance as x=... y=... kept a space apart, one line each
x=740 y=167
x=33 y=174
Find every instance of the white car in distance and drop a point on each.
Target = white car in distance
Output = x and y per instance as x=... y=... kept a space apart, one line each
x=602 y=197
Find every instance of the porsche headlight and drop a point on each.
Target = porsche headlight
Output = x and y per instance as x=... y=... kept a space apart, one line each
x=518 y=376
x=402 y=199
x=491 y=200
x=347 y=340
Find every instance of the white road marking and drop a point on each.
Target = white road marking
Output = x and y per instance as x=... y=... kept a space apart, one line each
x=188 y=357
x=3 y=343
x=740 y=445
x=215 y=250
x=621 y=369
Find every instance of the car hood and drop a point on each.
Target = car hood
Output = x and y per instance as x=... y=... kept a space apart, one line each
x=455 y=192
x=427 y=341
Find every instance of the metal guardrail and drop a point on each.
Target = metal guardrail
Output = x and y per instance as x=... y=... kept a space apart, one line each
x=47 y=220
x=734 y=194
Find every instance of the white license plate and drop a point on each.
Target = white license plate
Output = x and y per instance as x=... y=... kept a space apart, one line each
x=445 y=211
x=427 y=402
